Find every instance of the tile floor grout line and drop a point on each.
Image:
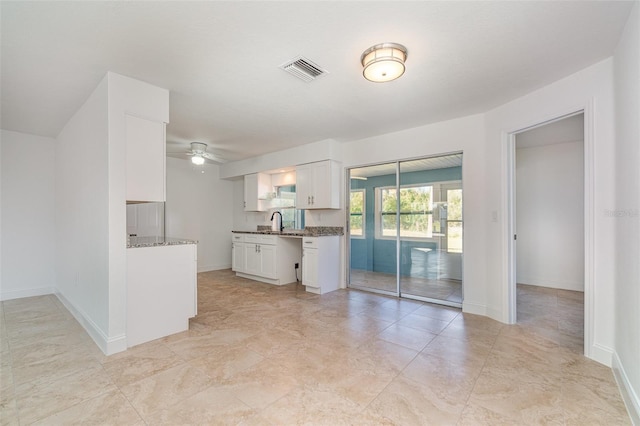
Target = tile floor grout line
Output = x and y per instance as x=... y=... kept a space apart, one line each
x=264 y=302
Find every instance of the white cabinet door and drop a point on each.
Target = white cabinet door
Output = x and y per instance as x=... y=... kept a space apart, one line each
x=269 y=259
x=256 y=190
x=326 y=191
x=253 y=261
x=238 y=257
x=161 y=291
x=321 y=264
x=310 y=267
x=146 y=159
x=318 y=185
x=304 y=186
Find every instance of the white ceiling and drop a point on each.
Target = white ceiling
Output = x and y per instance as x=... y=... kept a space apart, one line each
x=430 y=163
x=220 y=62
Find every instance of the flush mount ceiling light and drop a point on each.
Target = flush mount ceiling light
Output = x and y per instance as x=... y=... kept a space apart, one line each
x=383 y=62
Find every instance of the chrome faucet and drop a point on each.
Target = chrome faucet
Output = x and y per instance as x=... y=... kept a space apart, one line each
x=281 y=226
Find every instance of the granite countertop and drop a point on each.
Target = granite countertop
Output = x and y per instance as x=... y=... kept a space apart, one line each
x=309 y=231
x=135 y=242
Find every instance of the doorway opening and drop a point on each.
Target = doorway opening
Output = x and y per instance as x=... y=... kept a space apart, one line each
x=406 y=229
x=547 y=221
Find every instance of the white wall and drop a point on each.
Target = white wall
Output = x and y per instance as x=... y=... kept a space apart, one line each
x=126 y=96
x=199 y=207
x=590 y=89
x=327 y=149
x=90 y=200
x=464 y=134
x=82 y=214
x=27 y=265
x=550 y=215
x=625 y=214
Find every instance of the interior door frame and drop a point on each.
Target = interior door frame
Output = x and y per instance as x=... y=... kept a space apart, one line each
x=509 y=210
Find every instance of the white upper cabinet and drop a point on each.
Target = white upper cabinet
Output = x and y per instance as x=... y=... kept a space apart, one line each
x=146 y=159
x=257 y=187
x=318 y=185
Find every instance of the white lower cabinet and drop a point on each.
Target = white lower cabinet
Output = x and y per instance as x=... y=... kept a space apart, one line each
x=266 y=258
x=268 y=261
x=310 y=267
x=238 y=257
x=261 y=259
x=161 y=291
x=252 y=259
x=321 y=264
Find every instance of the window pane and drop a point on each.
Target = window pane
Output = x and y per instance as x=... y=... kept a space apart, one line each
x=454 y=237
x=388 y=200
x=415 y=212
x=389 y=225
x=454 y=204
x=415 y=225
x=356 y=207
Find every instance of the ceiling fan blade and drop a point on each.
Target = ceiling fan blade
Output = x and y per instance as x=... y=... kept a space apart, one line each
x=212 y=157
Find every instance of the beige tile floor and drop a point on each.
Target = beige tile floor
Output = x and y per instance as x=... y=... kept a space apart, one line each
x=266 y=355
x=443 y=289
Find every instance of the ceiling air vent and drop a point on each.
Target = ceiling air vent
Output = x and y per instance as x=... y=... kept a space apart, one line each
x=303 y=68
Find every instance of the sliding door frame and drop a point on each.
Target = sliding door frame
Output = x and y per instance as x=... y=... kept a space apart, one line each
x=398 y=292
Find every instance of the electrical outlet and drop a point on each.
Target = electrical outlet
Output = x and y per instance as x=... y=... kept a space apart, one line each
x=297 y=265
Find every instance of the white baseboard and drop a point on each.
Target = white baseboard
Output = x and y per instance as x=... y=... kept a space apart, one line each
x=474 y=308
x=207 y=268
x=629 y=395
x=261 y=279
x=108 y=345
x=551 y=283
x=601 y=354
x=30 y=292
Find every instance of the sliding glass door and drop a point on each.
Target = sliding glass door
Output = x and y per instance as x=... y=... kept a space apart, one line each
x=431 y=230
x=406 y=229
x=373 y=259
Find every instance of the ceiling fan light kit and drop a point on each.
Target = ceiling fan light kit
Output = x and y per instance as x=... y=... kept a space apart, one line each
x=199 y=154
x=384 y=62
x=197 y=159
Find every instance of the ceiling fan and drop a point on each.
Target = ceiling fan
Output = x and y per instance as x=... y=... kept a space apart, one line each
x=198 y=154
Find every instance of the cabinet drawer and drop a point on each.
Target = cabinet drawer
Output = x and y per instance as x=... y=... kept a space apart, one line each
x=267 y=239
x=260 y=239
x=251 y=238
x=237 y=238
x=309 y=242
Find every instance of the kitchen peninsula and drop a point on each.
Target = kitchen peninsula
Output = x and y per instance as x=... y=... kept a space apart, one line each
x=276 y=257
x=161 y=287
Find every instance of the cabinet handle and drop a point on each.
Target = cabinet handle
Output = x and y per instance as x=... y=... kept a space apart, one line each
x=308 y=199
x=313 y=199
